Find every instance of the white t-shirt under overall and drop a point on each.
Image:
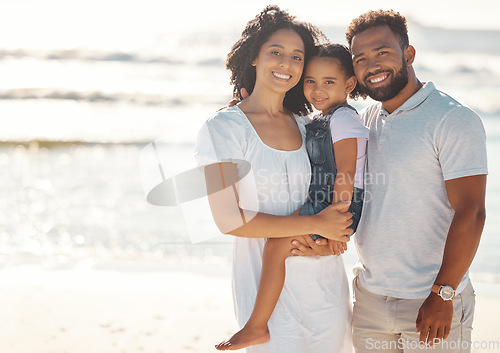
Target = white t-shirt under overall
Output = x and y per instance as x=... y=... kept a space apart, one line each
x=406 y=216
x=346 y=123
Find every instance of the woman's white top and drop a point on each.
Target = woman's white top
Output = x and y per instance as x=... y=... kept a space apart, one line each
x=313 y=313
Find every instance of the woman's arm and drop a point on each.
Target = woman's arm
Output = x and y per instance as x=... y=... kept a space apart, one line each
x=222 y=188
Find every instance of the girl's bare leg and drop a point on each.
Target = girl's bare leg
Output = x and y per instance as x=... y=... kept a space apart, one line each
x=271 y=283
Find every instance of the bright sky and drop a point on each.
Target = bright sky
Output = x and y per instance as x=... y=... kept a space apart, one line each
x=122 y=24
x=444 y=13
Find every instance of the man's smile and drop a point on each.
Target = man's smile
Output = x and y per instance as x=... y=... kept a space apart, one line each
x=377 y=78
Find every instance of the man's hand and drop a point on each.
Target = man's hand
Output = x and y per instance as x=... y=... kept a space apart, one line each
x=434 y=319
x=244 y=95
x=309 y=247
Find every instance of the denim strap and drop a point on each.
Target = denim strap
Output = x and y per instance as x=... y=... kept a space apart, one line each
x=330 y=113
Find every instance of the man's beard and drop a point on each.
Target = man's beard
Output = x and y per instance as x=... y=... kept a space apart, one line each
x=398 y=82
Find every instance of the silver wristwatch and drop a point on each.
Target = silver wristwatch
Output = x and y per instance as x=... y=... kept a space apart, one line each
x=445 y=292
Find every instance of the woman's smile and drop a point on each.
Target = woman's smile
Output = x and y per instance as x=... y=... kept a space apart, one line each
x=283 y=77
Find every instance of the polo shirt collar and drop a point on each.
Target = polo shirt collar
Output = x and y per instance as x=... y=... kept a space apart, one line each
x=418 y=97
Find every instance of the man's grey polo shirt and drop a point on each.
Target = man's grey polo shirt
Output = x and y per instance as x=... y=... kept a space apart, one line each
x=406 y=216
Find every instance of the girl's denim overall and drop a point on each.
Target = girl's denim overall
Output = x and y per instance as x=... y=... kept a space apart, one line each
x=324 y=170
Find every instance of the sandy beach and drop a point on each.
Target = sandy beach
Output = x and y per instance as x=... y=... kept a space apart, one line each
x=120 y=307
x=124 y=307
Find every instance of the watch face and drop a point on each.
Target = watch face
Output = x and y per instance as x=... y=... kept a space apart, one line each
x=447 y=292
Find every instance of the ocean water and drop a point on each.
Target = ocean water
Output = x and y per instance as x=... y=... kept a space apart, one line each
x=77 y=108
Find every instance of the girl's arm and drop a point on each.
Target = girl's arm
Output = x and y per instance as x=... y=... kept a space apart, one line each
x=346 y=154
x=222 y=180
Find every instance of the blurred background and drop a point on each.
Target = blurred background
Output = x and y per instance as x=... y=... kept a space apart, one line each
x=86 y=85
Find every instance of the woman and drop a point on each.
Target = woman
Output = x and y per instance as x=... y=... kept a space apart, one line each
x=267 y=132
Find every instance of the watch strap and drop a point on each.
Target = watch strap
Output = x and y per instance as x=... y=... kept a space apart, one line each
x=436 y=288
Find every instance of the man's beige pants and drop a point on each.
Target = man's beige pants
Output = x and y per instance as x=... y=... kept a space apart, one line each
x=387 y=324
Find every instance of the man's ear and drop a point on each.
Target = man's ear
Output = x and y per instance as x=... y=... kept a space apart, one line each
x=409 y=53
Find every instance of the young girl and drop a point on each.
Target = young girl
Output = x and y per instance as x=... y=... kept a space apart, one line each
x=336 y=144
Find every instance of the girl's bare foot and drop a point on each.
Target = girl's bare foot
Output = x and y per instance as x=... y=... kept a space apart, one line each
x=243 y=338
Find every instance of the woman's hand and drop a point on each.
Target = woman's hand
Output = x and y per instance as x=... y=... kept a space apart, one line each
x=333 y=222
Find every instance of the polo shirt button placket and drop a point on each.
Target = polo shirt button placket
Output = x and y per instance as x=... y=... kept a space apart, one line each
x=387 y=121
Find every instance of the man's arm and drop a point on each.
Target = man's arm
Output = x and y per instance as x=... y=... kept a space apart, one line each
x=466 y=196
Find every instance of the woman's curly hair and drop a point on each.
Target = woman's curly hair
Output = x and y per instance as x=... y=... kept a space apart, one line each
x=247 y=48
x=343 y=55
x=395 y=21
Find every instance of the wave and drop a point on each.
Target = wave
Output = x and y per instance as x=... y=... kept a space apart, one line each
x=152 y=100
x=470 y=64
x=432 y=38
x=162 y=101
x=99 y=56
x=442 y=40
x=35 y=144
x=458 y=69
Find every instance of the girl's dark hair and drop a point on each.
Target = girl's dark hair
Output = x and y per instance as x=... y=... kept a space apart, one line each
x=344 y=58
x=246 y=49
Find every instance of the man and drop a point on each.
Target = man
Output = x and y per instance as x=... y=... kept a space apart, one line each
x=424 y=209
